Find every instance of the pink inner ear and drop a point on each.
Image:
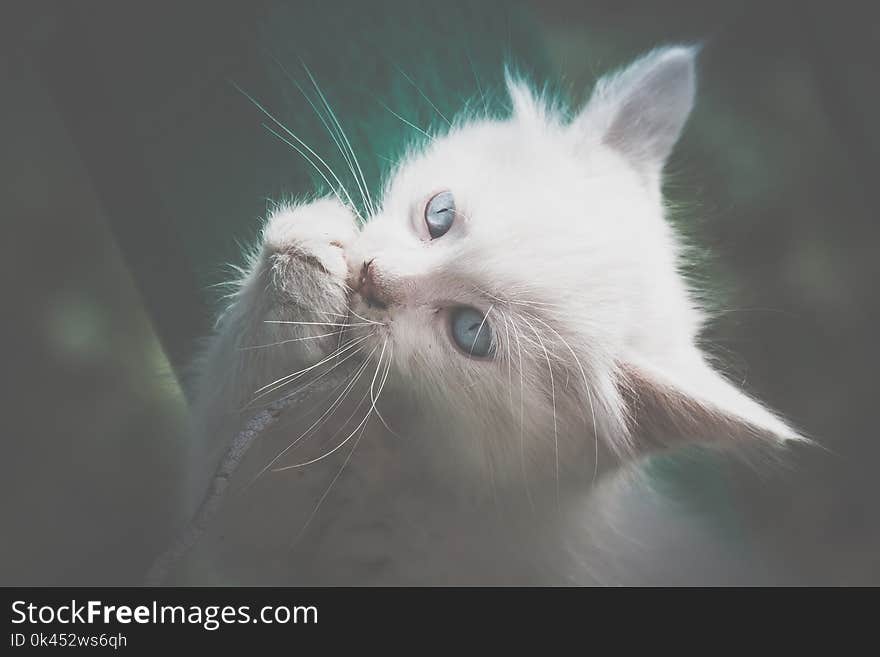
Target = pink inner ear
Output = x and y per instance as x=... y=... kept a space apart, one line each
x=661 y=415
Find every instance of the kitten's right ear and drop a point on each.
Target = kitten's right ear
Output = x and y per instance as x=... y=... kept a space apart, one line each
x=640 y=111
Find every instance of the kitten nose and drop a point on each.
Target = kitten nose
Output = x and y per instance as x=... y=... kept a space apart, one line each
x=368 y=289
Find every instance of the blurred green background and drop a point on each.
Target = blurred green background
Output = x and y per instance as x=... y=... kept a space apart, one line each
x=132 y=170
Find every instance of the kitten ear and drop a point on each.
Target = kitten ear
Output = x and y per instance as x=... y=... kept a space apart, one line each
x=701 y=406
x=523 y=101
x=641 y=110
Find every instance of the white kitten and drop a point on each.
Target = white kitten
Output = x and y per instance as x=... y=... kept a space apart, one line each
x=513 y=322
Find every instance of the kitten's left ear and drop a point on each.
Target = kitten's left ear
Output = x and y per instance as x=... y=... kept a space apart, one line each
x=641 y=110
x=695 y=404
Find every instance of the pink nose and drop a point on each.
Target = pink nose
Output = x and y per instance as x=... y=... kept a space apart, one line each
x=368 y=289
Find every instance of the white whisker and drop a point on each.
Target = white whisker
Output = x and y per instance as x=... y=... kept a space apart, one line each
x=356 y=429
x=289 y=377
x=289 y=380
x=322 y=419
x=381 y=386
x=369 y=321
x=344 y=325
x=409 y=123
x=588 y=389
x=280 y=342
x=422 y=94
x=330 y=486
x=259 y=106
x=330 y=130
x=522 y=438
x=553 y=398
x=480 y=328
x=362 y=184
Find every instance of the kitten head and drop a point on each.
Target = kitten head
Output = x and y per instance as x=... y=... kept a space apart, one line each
x=527 y=279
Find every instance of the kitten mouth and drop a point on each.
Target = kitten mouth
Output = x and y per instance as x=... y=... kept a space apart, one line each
x=369 y=308
x=373 y=302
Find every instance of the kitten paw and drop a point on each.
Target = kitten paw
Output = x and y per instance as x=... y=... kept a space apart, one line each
x=316 y=234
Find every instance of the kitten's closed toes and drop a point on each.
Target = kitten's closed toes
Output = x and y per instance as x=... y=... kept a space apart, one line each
x=299 y=291
x=316 y=234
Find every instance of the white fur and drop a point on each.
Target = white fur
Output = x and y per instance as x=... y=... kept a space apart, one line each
x=560 y=238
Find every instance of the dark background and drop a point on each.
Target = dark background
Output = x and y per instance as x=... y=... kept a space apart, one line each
x=130 y=170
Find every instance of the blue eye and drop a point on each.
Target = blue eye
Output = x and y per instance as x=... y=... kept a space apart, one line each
x=439 y=214
x=471 y=332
